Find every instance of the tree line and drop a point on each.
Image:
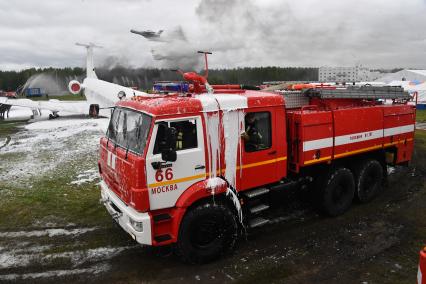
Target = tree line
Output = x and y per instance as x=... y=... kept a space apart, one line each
x=12 y=80
x=143 y=78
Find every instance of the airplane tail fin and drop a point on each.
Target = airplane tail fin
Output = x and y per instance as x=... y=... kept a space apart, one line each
x=90 y=67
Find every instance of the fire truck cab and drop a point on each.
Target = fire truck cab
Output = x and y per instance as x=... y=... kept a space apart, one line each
x=193 y=169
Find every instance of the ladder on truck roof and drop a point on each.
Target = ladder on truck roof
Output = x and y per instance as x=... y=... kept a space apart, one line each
x=363 y=92
x=295 y=99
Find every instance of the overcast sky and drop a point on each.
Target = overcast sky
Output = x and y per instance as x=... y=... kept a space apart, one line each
x=375 y=33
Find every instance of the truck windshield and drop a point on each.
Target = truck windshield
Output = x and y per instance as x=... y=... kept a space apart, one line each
x=129 y=129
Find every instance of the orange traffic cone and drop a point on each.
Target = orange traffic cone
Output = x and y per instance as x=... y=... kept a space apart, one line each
x=421 y=274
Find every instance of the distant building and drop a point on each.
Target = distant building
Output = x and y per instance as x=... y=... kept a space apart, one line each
x=347 y=74
x=417 y=76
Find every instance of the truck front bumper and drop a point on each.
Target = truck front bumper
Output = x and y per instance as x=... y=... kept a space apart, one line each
x=125 y=215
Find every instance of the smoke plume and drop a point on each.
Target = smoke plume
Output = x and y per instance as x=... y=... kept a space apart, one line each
x=309 y=33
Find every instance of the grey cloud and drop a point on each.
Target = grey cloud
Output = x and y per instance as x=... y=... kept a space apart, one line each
x=377 y=33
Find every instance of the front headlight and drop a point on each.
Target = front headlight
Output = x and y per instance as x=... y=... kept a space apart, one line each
x=138 y=226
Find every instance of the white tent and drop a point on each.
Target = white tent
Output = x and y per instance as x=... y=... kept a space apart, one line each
x=411 y=87
x=404 y=75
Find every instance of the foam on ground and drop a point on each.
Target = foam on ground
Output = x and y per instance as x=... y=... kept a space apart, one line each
x=43 y=145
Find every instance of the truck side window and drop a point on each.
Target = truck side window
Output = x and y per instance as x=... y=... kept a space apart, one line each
x=258 y=133
x=186 y=132
x=186 y=135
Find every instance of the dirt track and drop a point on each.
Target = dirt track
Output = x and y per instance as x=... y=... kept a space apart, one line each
x=372 y=243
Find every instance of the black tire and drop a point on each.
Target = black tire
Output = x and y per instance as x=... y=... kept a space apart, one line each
x=207 y=231
x=94 y=111
x=337 y=192
x=368 y=180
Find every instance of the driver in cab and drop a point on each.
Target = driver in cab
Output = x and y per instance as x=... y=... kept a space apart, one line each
x=251 y=136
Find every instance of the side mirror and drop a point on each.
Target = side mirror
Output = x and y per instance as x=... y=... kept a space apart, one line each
x=171 y=137
x=169 y=155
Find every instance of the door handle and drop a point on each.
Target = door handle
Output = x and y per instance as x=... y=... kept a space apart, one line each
x=199 y=167
x=157 y=165
x=272 y=153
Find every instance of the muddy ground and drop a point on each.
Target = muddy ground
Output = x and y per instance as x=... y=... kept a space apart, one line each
x=53 y=229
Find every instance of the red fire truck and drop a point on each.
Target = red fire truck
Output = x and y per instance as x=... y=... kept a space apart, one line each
x=192 y=169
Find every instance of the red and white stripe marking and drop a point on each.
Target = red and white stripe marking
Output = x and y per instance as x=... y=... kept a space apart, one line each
x=355 y=137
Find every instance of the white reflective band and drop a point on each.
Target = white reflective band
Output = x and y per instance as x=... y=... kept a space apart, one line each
x=399 y=130
x=356 y=137
x=317 y=144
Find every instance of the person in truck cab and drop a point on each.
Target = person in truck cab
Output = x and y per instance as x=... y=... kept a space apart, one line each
x=185 y=134
x=186 y=137
x=252 y=135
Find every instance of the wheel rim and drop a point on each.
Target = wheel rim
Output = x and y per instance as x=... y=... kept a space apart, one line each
x=339 y=193
x=371 y=181
x=207 y=231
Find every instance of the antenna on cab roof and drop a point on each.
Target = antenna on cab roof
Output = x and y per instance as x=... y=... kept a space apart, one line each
x=206 y=74
x=196 y=79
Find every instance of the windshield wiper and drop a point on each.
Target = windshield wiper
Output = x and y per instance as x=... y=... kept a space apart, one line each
x=138 y=129
x=116 y=129
x=137 y=134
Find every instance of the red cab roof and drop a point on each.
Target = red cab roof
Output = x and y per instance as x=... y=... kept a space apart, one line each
x=162 y=105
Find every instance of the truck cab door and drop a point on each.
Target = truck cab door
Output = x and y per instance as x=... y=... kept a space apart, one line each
x=168 y=180
x=259 y=149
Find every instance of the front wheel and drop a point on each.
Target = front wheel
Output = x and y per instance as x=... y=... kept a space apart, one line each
x=207 y=231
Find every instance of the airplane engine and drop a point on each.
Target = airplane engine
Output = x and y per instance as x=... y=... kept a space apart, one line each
x=74 y=87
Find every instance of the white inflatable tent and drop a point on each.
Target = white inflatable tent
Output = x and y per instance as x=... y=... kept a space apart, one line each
x=412 y=87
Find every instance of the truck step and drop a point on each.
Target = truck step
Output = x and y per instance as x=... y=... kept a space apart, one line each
x=257 y=222
x=258 y=208
x=161 y=218
x=162 y=238
x=256 y=192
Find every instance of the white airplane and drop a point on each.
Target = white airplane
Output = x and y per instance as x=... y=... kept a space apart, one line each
x=99 y=94
x=150 y=35
x=174 y=35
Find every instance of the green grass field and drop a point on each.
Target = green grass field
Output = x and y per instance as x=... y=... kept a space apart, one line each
x=50 y=200
x=421 y=115
x=51 y=196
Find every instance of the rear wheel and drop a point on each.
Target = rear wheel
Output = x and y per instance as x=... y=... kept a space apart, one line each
x=368 y=180
x=337 y=192
x=206 y=232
